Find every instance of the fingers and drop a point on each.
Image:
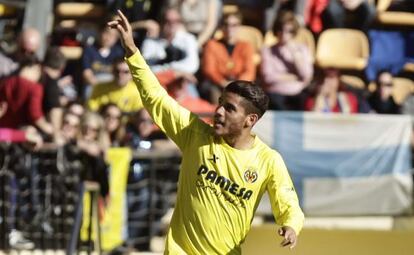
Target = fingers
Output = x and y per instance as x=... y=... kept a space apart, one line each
x=289 y=237
x=125 y=21
x=288 y=241
x=123 y=18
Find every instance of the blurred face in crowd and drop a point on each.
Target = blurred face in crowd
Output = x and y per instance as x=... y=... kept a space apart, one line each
x=122 y=74
x=172 y=23
x=92 y=125
x=76 y=109
x=70 y=126
x=29 y=41
x=108 y=37
x=331 y=81
x=385 y=84
x=287 y=33
x=230 y=27
x=112 y=118
x=143 y=123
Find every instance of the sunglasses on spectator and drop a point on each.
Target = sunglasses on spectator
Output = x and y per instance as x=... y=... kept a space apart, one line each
x=386 y=84
x=229 y=24
x=91 y=128
x=146 y=121
x=173 y=21
x=112 y=116
x=70 y=123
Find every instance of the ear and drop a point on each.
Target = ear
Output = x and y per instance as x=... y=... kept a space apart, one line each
x=251 y=119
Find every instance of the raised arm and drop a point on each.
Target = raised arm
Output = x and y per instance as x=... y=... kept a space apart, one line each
x=173 y=119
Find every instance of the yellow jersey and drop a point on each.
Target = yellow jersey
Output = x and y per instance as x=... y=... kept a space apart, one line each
x=126 y=97
x=219 y=187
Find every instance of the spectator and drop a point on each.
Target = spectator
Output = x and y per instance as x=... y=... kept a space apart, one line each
x=113 y=124
x=175 y=51
x=180 y=92
x=27 y=135
x=356 y=14
x=381 y=99
x=97 y=59
x=28 y=44
x=70 y=130
x=287 y=66
x=329 y=95
x=94 y=138
x=121 y=91
x=53 y=66
x=76 y=108
x=200 y=17
x=141 y=131
x=23 y=95
x=226 y=59
x=94 y=142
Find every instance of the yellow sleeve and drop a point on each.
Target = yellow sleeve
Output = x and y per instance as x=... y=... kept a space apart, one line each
x=165 y=111
x=283 y=197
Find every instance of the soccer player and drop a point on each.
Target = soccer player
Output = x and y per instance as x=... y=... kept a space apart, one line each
x=225 y=168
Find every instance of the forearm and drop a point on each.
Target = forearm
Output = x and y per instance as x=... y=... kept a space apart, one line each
x=165 y=111
x=44 y=126
x=89 y=77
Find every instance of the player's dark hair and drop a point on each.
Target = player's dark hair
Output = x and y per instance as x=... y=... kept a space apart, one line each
x=54 y=58
x=256 y=101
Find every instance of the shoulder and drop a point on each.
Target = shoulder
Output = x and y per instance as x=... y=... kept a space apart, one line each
x=271 y=156
x=90 y=49
x=244 y=45
x=213 y=44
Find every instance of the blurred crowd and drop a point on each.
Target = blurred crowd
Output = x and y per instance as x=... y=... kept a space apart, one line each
x=194 y=48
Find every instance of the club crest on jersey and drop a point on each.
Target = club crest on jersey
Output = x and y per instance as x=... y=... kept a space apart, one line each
x=250 y=175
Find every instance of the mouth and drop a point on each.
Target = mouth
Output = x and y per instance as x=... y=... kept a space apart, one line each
x=218 y=123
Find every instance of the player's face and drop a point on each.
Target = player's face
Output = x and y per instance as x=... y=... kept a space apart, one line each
x=230 y=115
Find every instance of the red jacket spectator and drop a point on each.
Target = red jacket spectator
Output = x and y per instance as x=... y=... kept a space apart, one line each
x=24 y=102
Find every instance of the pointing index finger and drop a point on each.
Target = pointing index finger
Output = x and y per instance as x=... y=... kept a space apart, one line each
x=123 y=18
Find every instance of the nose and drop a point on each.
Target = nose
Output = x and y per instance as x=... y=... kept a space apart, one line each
x=219 y=110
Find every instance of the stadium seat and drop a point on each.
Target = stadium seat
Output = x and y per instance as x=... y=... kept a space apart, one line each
x=353 y=81
x=80 y=10
x=68 y=14
x=252 y=35
x=402 y=87
x=303 y=36
x=71 y=53
x=248 y=34
x=342 y=49
x=393 y=17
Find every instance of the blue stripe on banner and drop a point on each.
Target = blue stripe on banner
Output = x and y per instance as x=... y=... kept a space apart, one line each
x=302 y=163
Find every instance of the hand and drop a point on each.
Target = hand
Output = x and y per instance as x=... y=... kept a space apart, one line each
x=153 y=29
x=124 y=28
x=289 y=236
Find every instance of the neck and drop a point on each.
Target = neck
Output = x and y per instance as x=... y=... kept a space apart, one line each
x=243 y=141
x=53 y=73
